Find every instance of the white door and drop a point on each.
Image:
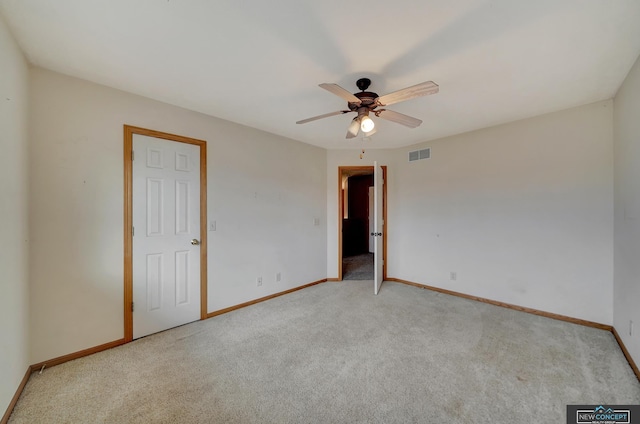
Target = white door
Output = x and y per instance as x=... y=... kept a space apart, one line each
x=378 y=181
x=372 y=239
x=166 y=234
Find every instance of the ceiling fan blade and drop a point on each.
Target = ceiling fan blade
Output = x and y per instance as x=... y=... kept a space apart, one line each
x=326 y=115
x=354 y=128
x=399 y=118
x=414 y=91
x=341 y=92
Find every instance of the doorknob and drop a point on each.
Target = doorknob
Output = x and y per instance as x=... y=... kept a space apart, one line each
x=195 y=242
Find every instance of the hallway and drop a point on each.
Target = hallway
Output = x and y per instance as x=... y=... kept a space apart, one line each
x=358 y=267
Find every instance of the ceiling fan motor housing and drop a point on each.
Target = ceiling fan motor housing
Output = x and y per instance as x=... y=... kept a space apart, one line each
x=367 y=98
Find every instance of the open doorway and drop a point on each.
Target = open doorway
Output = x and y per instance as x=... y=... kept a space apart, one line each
x=355 y=223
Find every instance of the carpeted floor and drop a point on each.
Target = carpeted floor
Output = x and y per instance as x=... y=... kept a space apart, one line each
x=335 y=353
x=358 y=267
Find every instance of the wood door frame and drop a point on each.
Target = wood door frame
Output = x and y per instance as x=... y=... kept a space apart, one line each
x=341 y=171
x=129 y=131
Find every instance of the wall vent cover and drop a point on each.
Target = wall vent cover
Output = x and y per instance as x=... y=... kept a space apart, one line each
x=419 y=154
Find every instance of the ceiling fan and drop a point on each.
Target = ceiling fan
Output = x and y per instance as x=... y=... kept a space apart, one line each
x=367 y=102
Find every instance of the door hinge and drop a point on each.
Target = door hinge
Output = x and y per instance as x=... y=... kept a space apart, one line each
x=133 y=155
x=132 y=307
x=133 y=231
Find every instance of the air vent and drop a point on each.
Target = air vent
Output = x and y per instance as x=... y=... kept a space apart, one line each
x=419 y=154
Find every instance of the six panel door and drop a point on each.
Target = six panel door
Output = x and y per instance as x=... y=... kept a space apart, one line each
x=166 y=226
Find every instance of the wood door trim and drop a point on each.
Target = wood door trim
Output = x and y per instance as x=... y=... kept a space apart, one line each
x=203 y=231
x=341 y=169
x=129 y=131
x=384 y=222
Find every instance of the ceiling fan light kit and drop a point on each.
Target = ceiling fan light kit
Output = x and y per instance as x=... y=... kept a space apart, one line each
x=365 y=102
x=366 y=123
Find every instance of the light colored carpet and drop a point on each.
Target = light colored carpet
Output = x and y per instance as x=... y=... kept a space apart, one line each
x=336 y=353
x=358 y=267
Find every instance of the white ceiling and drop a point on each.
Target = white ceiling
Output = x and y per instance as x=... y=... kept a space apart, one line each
x=259 y=62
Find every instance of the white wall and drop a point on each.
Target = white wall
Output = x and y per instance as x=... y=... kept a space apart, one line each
x=264 y=192
x=14 y=339
x=626 y=290
x=521 y=212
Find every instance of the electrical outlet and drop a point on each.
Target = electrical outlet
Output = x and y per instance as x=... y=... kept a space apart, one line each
x=316 y=221
x=630 y=328
x=212 y=225
x=278 y=277
x=259 y=281
x=453 y=276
